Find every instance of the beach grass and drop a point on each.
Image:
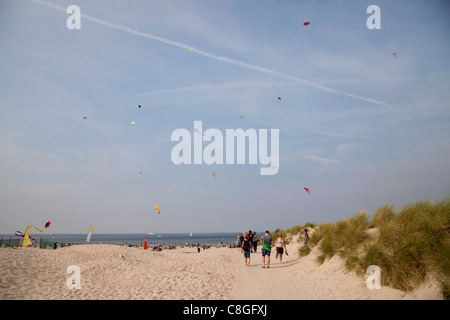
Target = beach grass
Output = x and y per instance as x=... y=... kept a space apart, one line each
x=409 y=245
x=292 y=232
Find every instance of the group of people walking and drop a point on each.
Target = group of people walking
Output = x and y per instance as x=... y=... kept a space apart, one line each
x=249 y=243
x=249 y=240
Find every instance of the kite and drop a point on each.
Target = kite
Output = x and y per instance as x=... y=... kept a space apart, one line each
x=141 y=172
x=47 y=224
x=242 y=116
x=85 y=118
x=199 y=132
x=132 y=122
x=21 y=234
x=26 y=240
x=279 y=98
x=213 y=174
x=395 y=55
x=88 y=238
x=306 y=23
x=187 y=50
x=307 y=190
x=157 y=209
x=139 y=106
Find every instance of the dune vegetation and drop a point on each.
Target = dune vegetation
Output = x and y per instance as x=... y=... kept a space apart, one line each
x=410 y=245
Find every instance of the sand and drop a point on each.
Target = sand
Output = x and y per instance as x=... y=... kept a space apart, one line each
x=183 y=274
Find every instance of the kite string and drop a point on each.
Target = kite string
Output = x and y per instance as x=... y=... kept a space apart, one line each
x=98 y=132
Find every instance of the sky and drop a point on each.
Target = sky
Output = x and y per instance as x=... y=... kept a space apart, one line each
x=357 y=126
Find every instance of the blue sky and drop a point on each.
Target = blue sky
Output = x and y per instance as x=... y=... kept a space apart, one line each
x=358 y=127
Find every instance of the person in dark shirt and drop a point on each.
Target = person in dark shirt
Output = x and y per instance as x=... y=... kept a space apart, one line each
x=305 y=240
x=246 y=249
x=250 y=239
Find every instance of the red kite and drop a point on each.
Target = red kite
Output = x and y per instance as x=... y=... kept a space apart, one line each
x=306 y=23
x=199 y=132
x=307 y=190
x=47 y=224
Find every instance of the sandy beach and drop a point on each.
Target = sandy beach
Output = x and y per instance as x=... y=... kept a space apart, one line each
x=183 y=274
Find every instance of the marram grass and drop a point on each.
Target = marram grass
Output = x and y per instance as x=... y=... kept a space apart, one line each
x=412 y=243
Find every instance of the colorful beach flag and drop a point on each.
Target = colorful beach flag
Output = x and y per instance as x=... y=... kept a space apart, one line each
x=91 y=229
x=20 y=234
x=26 y=239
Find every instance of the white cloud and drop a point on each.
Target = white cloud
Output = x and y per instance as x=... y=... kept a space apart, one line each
x=321 y=160
x=344 y=147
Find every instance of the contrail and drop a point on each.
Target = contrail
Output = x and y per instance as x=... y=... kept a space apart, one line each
x=213 y=56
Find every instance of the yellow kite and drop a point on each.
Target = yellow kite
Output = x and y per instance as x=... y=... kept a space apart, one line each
x=26 y=240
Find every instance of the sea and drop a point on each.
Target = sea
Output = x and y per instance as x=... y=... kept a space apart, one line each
x=129 y=238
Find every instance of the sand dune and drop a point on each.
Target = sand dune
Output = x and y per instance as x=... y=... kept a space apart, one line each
x=304 y=279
